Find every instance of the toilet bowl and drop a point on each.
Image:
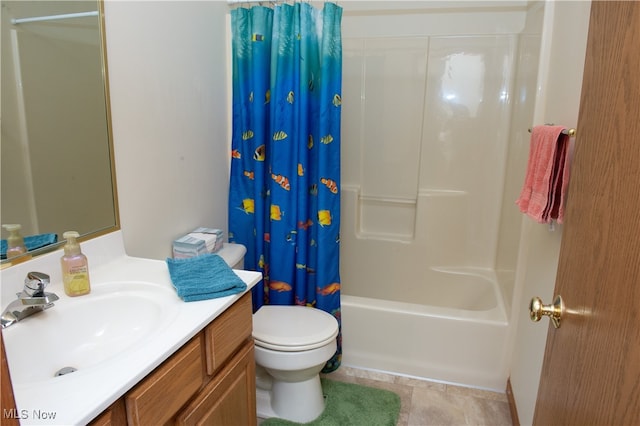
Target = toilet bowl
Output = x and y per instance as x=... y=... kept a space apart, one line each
x=292 y=345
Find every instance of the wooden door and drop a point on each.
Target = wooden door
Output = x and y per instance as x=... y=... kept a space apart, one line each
x=591 y=370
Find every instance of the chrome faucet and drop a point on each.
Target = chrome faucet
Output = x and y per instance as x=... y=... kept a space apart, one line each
x=31 y=299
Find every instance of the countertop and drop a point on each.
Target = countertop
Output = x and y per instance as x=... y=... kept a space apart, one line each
x=79 y=397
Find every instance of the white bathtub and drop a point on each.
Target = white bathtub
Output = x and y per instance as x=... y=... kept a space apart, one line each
x=457 y=334
x=432 y=145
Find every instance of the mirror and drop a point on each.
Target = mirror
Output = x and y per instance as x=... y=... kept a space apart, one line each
x=57 y=171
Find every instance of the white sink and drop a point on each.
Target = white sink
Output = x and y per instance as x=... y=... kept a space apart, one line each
x=86 y=331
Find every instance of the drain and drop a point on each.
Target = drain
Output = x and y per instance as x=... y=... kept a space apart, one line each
x=65 y=370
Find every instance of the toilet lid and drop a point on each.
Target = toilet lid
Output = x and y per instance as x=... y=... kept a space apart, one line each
x=293 y=328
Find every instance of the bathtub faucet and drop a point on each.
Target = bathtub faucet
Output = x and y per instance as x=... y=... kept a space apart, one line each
x=32 y=299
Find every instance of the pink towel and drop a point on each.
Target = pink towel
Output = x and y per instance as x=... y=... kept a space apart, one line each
x=543 y=193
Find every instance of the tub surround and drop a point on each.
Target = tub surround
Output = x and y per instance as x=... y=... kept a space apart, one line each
x=432 y=251
x=79 y=397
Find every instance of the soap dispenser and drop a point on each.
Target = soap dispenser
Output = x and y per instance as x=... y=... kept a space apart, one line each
x=15 y=242
x=75 y=267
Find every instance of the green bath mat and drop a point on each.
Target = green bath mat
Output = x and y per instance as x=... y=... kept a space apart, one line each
x=351 y=404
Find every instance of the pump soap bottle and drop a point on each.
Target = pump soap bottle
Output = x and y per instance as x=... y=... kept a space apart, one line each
x=75 y=267
x=15 y=242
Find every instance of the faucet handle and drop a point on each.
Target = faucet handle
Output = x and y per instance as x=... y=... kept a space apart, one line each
x=35 y=282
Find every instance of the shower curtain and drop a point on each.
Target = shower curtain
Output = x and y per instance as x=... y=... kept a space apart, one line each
x=284 y=199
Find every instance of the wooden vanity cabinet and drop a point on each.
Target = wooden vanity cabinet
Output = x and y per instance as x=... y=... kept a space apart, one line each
x=210 y=380
x=157 y=398
x=228 y=399
x=115 y=415
x=10 y=413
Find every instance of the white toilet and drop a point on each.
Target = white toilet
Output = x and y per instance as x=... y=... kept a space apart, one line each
x=292 y=345
x=233 y=254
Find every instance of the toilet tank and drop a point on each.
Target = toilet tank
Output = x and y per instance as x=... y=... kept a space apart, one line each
x=233 y=254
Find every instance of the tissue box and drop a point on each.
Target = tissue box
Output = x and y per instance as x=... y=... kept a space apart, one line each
x=197 y=242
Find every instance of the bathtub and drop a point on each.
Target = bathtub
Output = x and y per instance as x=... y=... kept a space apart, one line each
x=456 y=334
x=435 y=108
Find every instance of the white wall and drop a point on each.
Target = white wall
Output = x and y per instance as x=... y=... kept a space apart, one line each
x=559 y=88
x=169 y=93
x=524 y=97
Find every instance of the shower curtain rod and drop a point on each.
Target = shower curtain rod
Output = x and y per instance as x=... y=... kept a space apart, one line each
x=232 y=2
x=16 y=21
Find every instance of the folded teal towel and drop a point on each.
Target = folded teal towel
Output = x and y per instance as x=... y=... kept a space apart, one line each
x=203 y=277
x=31 y=242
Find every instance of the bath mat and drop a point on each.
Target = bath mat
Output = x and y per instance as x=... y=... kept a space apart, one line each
x=353 y=405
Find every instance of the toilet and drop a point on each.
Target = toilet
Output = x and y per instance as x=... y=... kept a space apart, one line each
x=292 y=345
x=233 y=254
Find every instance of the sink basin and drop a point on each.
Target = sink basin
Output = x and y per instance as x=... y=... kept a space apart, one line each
x=84 y=332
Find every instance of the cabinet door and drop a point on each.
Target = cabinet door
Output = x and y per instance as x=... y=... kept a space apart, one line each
x=115 y=415
x=156 y=399
x=230 y=398
x=10 y=413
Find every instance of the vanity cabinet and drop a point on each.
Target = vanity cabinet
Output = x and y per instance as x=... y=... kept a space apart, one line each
x=9 y=415
x=210 y=380
x=113 y=416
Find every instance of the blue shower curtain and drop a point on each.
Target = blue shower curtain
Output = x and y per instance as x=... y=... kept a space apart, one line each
x=284 y=198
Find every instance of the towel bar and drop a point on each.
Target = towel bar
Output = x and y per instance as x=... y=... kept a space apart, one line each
x=570 y=132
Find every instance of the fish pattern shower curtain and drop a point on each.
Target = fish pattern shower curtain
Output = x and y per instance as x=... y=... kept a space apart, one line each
x=284 y=198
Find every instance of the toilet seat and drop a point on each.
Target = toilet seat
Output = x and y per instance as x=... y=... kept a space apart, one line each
x=293 y=328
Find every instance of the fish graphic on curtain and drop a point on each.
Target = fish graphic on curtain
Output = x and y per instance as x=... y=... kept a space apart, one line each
x=284 y=197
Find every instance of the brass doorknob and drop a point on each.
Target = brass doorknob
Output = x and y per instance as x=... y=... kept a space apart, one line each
x=554 y=311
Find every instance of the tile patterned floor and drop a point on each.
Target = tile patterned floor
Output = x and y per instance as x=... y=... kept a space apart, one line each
x=425 y=403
